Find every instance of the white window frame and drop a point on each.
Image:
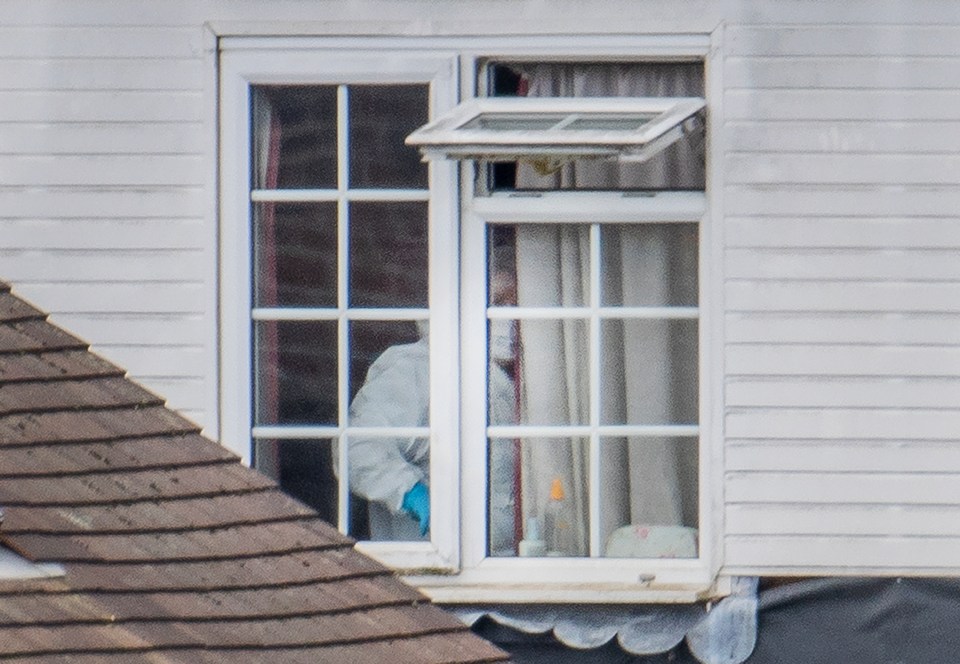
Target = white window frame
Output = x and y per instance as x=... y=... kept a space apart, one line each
x=588 y=580
x=465 y=575
x=487 y=579
x=452 y=135
x=242 y=69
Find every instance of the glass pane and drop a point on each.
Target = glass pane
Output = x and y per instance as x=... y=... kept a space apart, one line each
x=503 y=398
x=514 y=122
x=392 y=369
x=679 y=166
x=384 y=469
x=401 y=358
x=295 y=254
x=388 y=255
x=551 y=262
x=294 y=138
x=381 y=117
x=502 y=266
x=648 y=497
x=653 y=265
x=648 y=372
x=552 y=374
x=538 y=500
x=610 y=122
x=295 y=372
x=305 y=470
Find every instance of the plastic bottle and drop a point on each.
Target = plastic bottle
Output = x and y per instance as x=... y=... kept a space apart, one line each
x=557 y=521
x=532 y=544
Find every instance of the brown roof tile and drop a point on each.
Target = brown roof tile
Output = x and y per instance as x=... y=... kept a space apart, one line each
x=173 y=551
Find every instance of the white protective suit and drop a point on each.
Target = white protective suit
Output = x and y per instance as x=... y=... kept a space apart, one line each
x=396 y=393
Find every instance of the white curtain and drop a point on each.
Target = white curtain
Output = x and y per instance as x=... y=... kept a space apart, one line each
x=648 y=368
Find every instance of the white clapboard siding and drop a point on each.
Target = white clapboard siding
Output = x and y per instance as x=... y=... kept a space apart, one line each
x=840 y=488
x=104 y=170
x=184 y=139
x=103 y=202
x=838 y=360
x=854 y=391
x=102 y=41
x=101 y=234
x=884 y=72
x=829 y=423
x=831 y=456
x=830 y=295
x=915 y=138
x=174 y=266
x=842 y=328
x=117 y=297
x=847 y=520
x=847 y=13
x=841 y=200
x=131 y=329
x=100 y=106
x=844 y=264
x=146 y=362
x=842 y=362
x=925 y=555
x=850 y=40
x=167 y=73
x=838 y=168
x=831 y=104
x=896 y=234
x=106 y=183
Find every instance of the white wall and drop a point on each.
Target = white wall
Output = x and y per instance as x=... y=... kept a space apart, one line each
x=842 y=289
x=839 y=199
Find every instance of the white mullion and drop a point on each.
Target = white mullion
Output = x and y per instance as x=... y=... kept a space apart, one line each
x=390 y=432
x=593 y=490
x=343 y=273
x=331 y=314
x=584 y=430
x=649 y=430
x=617 y=313
x=288 y=432
x=334 y=195
x=493 y=313
x=305 y=314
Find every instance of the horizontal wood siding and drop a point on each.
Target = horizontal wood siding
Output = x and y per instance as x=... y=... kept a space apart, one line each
x=106 y=183
x=842 y=292
x=840 y=190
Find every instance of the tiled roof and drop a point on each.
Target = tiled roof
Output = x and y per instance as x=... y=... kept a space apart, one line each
x=173 y=551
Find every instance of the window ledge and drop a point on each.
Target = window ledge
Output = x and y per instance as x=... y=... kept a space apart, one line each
x=465 y=589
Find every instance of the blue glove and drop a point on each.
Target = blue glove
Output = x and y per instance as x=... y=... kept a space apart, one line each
x=416 y=503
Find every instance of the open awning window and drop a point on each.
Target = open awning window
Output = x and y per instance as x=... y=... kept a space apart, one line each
x=510 y=128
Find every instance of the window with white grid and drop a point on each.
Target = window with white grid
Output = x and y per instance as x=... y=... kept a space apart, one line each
x=523 y=342
x=350 y=301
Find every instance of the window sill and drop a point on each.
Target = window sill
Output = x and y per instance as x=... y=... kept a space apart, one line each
x=480 y=587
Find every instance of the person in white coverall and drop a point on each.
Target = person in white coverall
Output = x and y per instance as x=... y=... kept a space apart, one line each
x=393 y=473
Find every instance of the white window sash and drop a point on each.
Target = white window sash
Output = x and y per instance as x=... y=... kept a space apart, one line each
x=241 y=69
x=550 y=207
x=455 y=135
